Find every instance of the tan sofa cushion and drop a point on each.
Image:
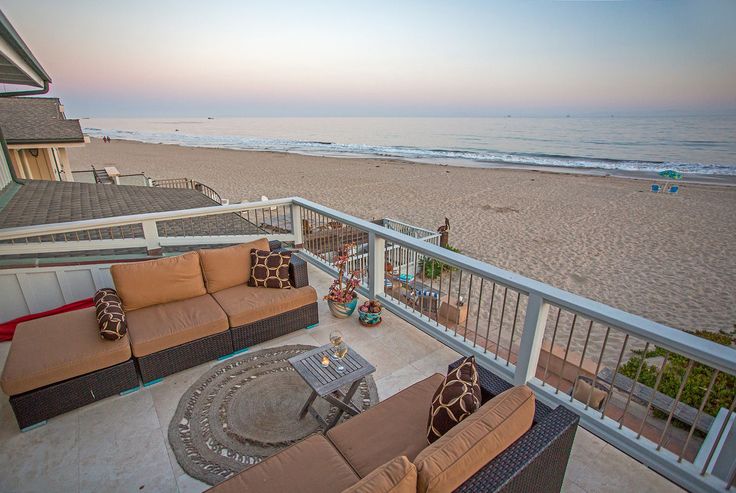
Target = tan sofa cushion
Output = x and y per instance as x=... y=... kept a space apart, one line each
x=245 y=304
x=310 y=465
x=52 y=349
x=398 y=475
x=142 y=284
x=395 y=427
x=583 y=392
x=227 y=267
x=471 y=444
x=160 y=327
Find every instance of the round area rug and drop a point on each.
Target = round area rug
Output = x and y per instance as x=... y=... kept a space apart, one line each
x=246 y=409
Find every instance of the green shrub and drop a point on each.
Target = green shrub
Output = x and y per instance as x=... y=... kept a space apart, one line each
x=697 y=383
x=432 y=268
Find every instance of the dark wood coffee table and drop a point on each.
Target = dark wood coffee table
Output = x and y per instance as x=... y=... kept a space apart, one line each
x=326 y=381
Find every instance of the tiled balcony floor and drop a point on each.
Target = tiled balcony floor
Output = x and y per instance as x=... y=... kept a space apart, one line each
x=120 y=444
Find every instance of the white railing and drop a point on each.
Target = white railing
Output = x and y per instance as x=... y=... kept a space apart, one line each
x=525 y=331
x=532 y=333
x=153 y=232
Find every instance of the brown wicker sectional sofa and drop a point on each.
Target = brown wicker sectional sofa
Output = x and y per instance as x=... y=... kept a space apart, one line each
x=181 y=311
x=510 y=444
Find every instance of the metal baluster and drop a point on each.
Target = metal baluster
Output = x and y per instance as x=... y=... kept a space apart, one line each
x=551 y=346
x=513 y=327
x=654 y=392
x=477 y=318
x=636 y=379
x=500 y=324
x=431 y=291
x=490 y=316
x=582 y=358
x=598 y=366
x=615 y=372
x=677 y=401
x=439 y=298
x=470 y=297
x=415 y=265
x=567 y=350
x=449 y=293
x=459 y=286
x=697 y=416
x=718 y=439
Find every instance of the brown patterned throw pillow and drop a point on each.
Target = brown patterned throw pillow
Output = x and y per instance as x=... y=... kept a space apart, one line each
x=457 y=398
x=269 y=269
x=110 y=314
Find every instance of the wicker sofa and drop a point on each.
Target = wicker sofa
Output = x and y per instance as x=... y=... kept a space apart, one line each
x=365 y=453
x=60 y=363
x=185 y=310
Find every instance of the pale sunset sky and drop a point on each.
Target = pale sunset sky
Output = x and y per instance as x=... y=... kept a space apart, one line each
x=392 y=58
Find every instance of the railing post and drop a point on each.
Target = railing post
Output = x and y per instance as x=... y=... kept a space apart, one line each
x=150 y=233
x=376 y=264
x=296 y=225
x=531 y=339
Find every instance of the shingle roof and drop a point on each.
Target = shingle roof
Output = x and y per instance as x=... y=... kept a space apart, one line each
x=47 y=202
x=36 y=121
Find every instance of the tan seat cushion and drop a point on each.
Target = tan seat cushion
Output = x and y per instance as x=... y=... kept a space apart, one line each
x=583 y=391
x=227 y=267
x=395 y=427
x=142 y=284
x=245 y=304
x=310 y=465
x=471 y=444
x=52 y=349
x=160 y=327
x=398 y=475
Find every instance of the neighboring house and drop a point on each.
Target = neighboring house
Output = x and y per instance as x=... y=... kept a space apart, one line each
x=37 y=135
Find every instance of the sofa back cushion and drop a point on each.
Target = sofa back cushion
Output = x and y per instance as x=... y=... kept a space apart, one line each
x=142 y=284
x=467 y=447
x=398 y=475
x=227 y=267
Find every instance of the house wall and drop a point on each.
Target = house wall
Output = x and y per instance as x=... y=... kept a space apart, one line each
x=51 y=162
x=34 y=290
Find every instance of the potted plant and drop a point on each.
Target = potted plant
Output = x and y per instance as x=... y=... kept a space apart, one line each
x=369 y=313
x=341 y=297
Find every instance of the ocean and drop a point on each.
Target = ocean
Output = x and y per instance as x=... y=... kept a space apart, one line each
x=690 y=145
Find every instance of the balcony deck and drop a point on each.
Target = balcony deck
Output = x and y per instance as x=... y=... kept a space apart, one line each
x=120 y=444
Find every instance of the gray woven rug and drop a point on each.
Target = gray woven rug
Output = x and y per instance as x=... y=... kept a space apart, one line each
x=246 y=409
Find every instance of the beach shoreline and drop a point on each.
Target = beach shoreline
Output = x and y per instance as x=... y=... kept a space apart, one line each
x=669 y=258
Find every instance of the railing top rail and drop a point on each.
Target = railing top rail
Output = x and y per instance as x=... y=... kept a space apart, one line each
x=703 y=350
x=45 y=229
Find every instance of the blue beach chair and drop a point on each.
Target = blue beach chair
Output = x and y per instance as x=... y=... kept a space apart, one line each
x=673 y=189
x=656 y=188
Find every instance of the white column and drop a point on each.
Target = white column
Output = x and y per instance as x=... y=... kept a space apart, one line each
x=296 y=225
x=531 y=339
x=150 y=233
x=376 y=264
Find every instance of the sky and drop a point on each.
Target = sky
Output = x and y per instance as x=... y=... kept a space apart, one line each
x=383 y=58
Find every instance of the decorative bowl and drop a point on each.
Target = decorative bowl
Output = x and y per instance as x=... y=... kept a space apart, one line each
x=368 y=319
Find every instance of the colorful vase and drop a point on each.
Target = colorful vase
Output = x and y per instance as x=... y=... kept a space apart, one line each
x=342 y=310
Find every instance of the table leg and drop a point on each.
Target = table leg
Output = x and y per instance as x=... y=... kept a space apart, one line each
x=345 y=404
x=309 y=402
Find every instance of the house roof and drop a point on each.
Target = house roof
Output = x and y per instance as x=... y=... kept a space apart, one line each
x=17 y=63
x=37 y=121
x=47 y=202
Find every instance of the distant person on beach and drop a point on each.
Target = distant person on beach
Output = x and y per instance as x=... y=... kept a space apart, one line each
x=104 y=140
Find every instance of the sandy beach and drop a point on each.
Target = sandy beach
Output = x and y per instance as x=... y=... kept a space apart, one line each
x=668 y=258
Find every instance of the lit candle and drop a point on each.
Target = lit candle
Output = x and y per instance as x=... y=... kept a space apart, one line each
x=325 y=361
